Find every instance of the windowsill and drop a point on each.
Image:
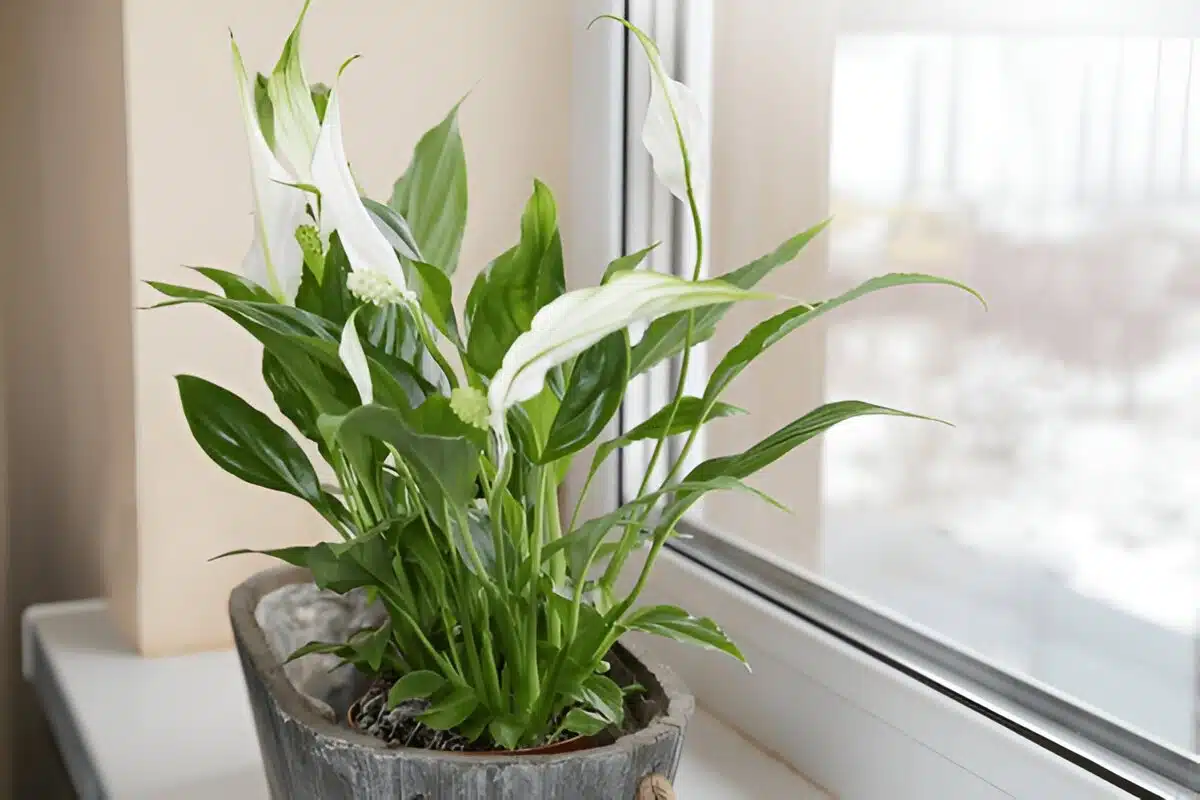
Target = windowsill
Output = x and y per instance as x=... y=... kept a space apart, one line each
x=180 y=728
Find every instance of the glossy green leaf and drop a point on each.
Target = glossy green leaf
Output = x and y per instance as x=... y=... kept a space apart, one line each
x=506 y=732
x=584 y=542
x=789 y=437
x=432 y=193
x=626 y=263
x=415 y=686
x=395 y=229
x=770 y=331
x=337 y=571
x=584 y=722
x=506 y=295
x=339 y=649
x=665 y=337
x=296 y=556
x=601 y=694
x=290 y=396
x=244 y=441
x=444 y=467
x=675 y=623
x=450 y=711
x=593 y=396
x=436 y=297
x=373 y=647
x=236 y=287
x=689 y=415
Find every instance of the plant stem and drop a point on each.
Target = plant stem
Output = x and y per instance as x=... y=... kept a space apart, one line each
x=629 y=538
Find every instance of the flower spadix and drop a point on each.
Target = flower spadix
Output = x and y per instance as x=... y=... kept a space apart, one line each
x=378 y=276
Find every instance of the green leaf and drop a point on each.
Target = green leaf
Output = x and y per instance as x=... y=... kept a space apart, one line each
x=395 y=228
x=770 y=331
x=432 y=193
x=584 y=542
x=290 y=396
x=506 y=732
x=506 y=295
x=666 y=336
x=626 y=263
x=593 y=396
x=436 y=297
x=236 y=287
x=337 y=571
x=789 y=437
x=375 y=646
x=296 y=556
x=444 y=467
x=320 y=97
x=262 y=104
x=584 y=722
x=341 y=650
x=604 y=696
x=244 y=441
x=675 y=623
x=415 y=686
x=689 y=415
x=451 y=710
x=178 y=292
x=336 y=301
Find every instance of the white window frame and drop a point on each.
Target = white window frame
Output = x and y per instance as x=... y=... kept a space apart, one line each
x=863 y=714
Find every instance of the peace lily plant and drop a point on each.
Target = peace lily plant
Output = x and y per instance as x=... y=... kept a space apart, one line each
x=449 y=433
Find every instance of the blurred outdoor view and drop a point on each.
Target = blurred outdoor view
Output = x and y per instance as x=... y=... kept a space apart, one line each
x=1056 y=529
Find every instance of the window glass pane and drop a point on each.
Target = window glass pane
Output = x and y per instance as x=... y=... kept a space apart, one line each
x=1055 y=530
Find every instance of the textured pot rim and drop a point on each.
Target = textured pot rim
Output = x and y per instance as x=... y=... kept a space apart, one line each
x=243 y=602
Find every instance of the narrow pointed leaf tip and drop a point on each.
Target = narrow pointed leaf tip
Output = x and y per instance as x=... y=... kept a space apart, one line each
x=575 y=321
x=275 y=260
x=379 y=277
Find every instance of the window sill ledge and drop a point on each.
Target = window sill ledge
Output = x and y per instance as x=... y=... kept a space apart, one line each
x=180 y=728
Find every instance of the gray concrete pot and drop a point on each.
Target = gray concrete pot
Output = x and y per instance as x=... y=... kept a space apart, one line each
x=309 y=754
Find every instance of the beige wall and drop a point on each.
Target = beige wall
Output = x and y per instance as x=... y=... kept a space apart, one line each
x=769 y=184
x=190 y=203
x=66 y=324
x=122 y=157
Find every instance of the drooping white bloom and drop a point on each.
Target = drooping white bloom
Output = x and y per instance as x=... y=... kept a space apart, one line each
x=672 y=102
x=355 y=360
x=295 y=114
x=342 y=210
x=275 y=260
x=575 y=321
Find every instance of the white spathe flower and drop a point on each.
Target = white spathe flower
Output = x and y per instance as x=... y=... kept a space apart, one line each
x=342 y=210
x=672 y=102
x=275 y=260
x=296 y=125
x=575 y=321
x=355 y=360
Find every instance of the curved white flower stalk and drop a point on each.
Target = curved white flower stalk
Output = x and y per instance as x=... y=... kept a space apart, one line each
x=275 y=260
x=377 y=274
x=575 y=321
x=354 y=358
x=296 y=124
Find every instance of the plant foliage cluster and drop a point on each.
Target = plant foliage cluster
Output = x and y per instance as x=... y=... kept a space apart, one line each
x=448 y=432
